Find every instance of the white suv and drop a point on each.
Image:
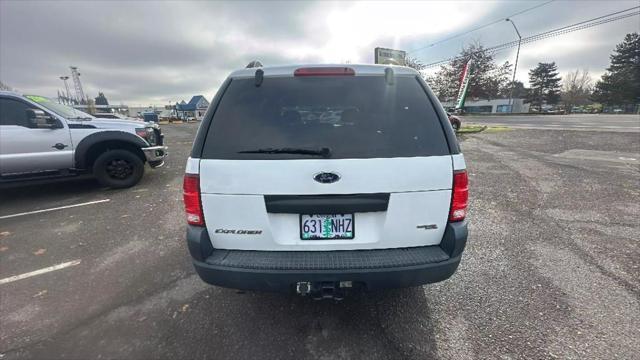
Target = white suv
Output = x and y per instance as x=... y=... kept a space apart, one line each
x=320 y=178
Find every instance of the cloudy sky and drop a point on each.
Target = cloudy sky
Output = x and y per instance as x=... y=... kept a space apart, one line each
x=144 y=52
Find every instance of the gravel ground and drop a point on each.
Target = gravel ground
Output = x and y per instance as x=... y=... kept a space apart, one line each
x=551 y=270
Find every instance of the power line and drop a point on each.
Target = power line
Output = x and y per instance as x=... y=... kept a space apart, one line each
x=555 y=32
x=590 y=20
x=559 y=31
x=480 y=27
x=551 y=33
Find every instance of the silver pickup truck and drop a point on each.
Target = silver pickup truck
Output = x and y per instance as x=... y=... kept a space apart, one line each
x=40 y=138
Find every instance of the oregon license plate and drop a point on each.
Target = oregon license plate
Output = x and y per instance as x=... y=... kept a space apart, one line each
x=326 y=227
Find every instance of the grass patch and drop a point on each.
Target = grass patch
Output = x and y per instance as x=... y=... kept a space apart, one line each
x=504 y=114
x=472 y=129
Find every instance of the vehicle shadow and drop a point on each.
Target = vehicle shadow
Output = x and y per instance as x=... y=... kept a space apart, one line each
x=208 y=322
x=51 y=190
x=391 y=324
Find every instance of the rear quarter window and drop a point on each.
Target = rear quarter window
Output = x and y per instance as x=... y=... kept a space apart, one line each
x=353 y=116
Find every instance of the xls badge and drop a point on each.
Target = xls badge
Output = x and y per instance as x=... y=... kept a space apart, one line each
x=427 y=226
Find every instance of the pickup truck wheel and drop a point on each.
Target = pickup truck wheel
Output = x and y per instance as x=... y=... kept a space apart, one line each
x=118 y=169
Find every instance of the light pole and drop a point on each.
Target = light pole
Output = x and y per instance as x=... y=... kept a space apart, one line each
x=513 y=81
x=66 y=86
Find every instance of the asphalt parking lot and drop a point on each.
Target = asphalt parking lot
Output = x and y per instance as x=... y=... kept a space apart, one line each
x=551 y=270
x=589 y=122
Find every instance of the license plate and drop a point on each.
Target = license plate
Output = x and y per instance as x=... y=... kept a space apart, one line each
x=326 y=227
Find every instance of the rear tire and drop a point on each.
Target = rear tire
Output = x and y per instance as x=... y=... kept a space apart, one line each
x=118 y=169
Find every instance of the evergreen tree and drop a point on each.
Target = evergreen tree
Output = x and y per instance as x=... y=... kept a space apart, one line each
x=101 y=99
x=545 y=85
x=620 y=85
x=519 y=91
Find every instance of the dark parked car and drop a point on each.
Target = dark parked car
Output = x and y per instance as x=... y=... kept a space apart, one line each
x=455 y=121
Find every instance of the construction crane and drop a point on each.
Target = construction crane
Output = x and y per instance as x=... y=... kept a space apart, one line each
x=75 y=75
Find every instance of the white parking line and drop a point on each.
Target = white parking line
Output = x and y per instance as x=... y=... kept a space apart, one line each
x=39 y=272
x=55 y=208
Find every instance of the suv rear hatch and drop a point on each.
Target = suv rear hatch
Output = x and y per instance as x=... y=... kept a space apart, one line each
x=292 y=161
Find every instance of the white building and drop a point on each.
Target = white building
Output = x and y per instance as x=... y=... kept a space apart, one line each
x=495 y=106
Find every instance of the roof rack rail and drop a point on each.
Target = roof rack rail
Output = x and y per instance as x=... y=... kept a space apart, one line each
x=254 y=64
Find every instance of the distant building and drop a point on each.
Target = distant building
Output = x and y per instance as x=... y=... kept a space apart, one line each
x=495 y=106
x=195 y=108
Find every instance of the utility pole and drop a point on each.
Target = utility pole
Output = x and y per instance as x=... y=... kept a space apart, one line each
x=66 y=86
x=515 y=68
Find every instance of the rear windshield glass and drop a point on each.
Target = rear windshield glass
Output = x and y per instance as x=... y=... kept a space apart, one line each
x=332 y=117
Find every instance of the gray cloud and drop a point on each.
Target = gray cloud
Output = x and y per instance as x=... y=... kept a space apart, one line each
x=153 y=52
x=589 y=48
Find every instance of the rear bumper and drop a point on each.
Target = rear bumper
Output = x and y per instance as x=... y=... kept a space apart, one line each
x=281 y=270
x=285 y=280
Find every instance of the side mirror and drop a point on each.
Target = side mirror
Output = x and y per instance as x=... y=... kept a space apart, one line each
x=37 y=119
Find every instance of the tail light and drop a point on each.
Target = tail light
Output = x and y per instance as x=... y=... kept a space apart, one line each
x=192 y=203
x=324 y=71
x=460 y=196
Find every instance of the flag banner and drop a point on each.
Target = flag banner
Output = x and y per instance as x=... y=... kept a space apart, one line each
x=464 y=85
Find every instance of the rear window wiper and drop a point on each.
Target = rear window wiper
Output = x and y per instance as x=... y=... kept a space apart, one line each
x=324 y=152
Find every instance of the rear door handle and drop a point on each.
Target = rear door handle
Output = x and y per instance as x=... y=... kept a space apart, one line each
x=59 y=146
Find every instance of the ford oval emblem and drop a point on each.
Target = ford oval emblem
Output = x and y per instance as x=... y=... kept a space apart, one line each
x=326 y=177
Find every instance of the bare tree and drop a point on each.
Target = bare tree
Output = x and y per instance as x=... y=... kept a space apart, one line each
x=91 y=105
x=414 y=63
x=576 y=89
x=5 y=87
